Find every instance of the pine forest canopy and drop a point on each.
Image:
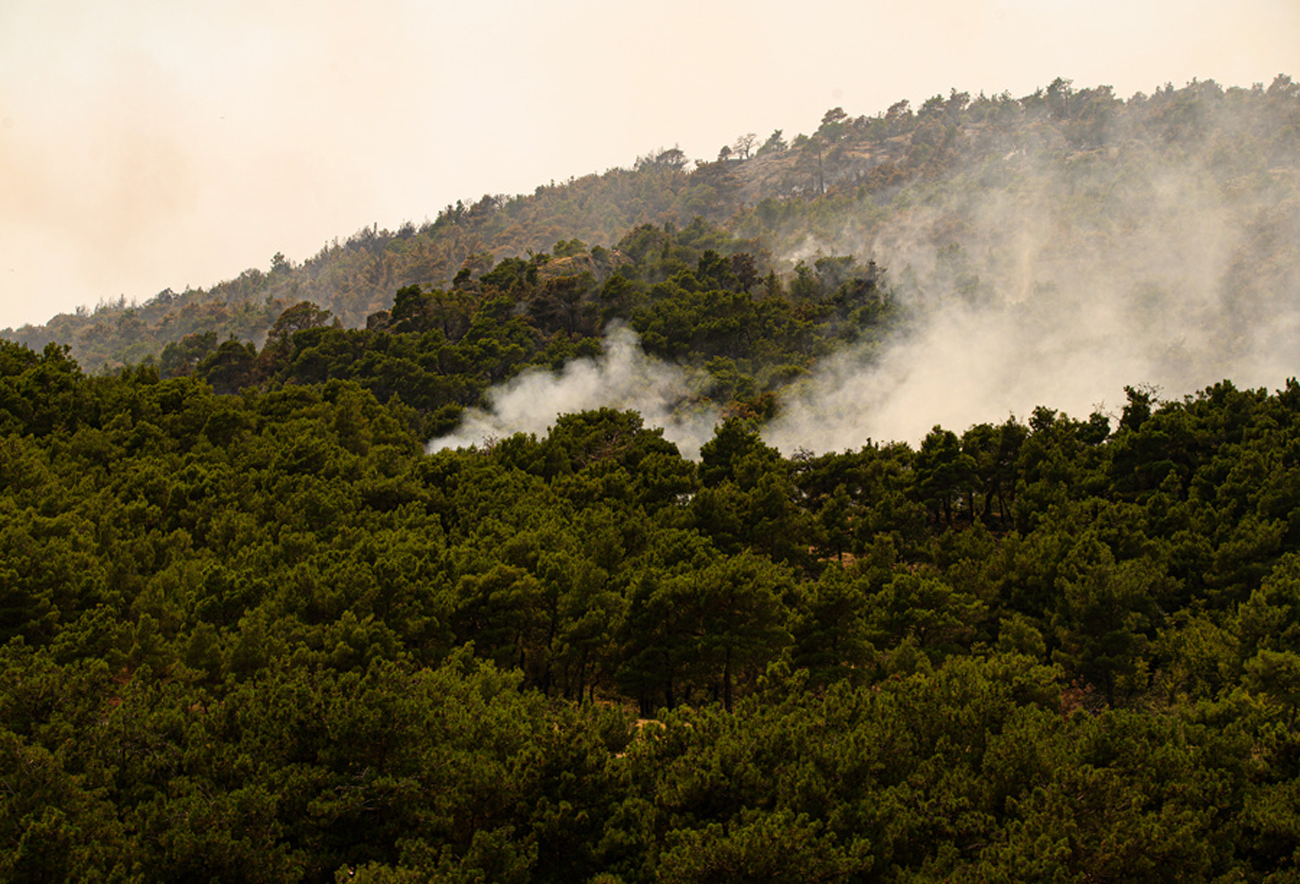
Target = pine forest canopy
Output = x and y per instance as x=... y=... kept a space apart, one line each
x=265 y=636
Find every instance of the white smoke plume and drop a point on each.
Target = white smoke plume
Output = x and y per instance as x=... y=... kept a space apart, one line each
x=622 y=377
x=1040 y=280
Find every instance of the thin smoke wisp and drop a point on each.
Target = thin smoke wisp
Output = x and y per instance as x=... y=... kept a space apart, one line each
x=622 y=377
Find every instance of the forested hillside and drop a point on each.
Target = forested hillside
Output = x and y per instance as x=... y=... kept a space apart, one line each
x=255 y=626
x=989 y=197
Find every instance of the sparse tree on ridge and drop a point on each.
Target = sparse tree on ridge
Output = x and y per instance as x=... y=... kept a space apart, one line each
x=774 y=144
x=744 y=144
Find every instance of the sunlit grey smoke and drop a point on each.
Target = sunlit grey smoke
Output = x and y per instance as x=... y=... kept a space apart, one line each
x=1037 y=281
x=622 y=377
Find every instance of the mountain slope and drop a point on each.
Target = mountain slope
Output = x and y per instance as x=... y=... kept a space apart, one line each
x=928 y=192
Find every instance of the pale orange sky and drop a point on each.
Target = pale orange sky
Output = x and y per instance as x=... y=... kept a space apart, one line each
x=148 y=144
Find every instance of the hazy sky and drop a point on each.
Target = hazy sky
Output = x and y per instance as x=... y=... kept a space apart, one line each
x=147 y=145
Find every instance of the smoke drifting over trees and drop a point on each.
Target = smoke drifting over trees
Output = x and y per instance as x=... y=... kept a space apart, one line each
x=1071 y=244
x=1046 y=250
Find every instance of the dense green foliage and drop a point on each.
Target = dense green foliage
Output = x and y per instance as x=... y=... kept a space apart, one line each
x=264 y=636
x=695 y=296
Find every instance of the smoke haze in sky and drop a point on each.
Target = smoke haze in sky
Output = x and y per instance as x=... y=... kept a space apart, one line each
x=148 y=145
